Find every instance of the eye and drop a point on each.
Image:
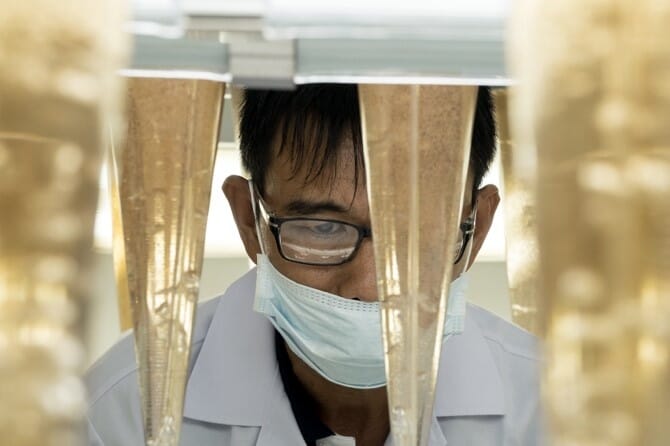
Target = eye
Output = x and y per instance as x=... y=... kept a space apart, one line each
x=327 y=228
x=317 y=228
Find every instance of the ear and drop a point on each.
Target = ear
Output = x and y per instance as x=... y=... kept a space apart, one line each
x=487 y=203
x=236 y=190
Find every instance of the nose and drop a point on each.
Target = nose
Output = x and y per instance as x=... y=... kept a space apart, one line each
x=359 y=280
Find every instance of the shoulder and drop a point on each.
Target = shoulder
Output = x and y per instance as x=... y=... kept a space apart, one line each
x=518 y=357
x=508 y=339
x=118 y=363
x=515 y=351
x=112 y=381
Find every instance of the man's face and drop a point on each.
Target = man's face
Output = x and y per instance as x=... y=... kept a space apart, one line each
x=337 y=197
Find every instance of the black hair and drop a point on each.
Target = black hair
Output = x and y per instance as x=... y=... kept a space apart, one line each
x=312 y=120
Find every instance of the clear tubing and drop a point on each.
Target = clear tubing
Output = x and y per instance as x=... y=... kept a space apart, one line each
x=417 y=145
x=57 y=87
x=164 y=177
x=596 y=100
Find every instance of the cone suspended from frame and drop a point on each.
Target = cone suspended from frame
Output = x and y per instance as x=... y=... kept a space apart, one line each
x=417 y=146
x=163 y=180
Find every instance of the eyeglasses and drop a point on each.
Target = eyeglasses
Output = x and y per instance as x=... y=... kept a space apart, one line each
x=326 y=242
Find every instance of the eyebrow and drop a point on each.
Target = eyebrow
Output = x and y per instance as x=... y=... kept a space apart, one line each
x=304 y=207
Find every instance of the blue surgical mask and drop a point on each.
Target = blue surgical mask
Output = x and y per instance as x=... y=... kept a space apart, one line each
x=338 y=338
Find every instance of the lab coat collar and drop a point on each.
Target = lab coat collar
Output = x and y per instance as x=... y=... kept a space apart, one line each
x=235 y=379
x=469 y=381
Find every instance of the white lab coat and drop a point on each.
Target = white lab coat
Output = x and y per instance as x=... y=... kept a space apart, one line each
x=487 y=391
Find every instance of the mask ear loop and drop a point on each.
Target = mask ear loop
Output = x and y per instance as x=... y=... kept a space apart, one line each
x=257 y=223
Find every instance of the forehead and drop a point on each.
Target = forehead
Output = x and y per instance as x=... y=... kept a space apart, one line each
x=340 y=177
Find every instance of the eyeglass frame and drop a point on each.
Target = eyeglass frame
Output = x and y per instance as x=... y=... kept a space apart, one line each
x=274 y=223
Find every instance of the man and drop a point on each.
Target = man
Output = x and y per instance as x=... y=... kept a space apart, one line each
x=291 y=354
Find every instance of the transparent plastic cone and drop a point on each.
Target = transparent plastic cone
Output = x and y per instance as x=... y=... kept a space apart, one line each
x=164 y=177
x=57 y=86
x=417 y=144
x=521 y=251
x=236 y=101
x=596 y=99
x=118 y=243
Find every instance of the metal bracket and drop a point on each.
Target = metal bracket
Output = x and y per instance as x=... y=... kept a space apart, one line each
x=256 y=62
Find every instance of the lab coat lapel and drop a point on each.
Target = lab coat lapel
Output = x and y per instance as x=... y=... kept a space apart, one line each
x=234 y=371
x=235 y=379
